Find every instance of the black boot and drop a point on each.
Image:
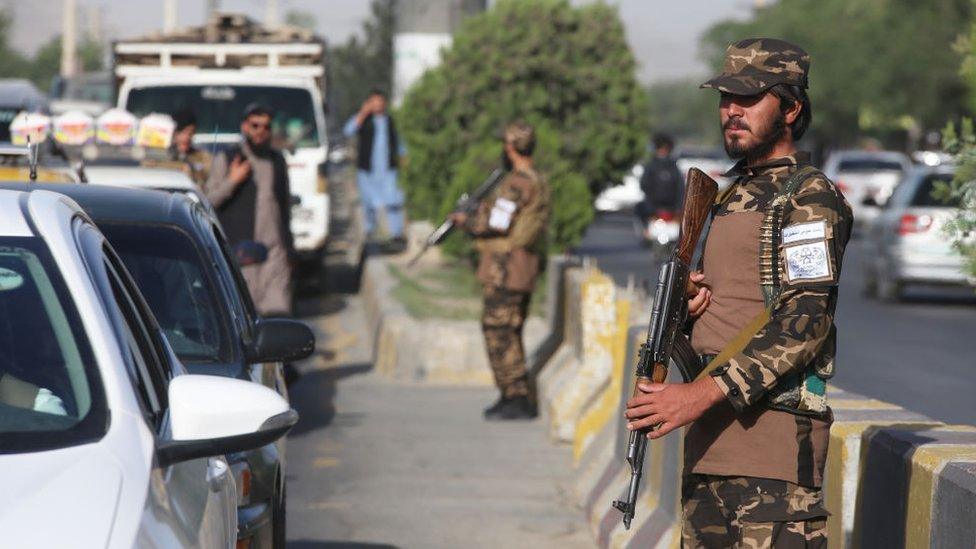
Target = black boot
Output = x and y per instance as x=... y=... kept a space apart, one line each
x=516 y=408
x=494 y=408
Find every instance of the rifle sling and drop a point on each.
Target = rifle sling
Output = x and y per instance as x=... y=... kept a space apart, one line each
x=737 y=343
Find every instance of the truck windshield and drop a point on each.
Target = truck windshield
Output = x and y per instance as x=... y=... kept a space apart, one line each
x=219 y=108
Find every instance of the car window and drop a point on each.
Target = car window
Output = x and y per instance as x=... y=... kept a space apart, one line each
x=173 y=275
x=151 y=375
x=50 y=391
x=925 y=195
x=243 y=293
x=868 y=165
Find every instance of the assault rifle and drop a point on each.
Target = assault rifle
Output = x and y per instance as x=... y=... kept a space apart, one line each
x=467 y=204
x=666 y=344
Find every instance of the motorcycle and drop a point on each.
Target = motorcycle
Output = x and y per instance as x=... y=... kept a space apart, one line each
x=660 y=231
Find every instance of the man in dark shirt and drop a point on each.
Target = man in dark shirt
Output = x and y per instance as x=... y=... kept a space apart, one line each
x=661 y=182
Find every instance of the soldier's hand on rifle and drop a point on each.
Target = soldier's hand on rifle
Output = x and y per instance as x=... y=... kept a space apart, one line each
x=699 y=295
x=459 y=218
x=671 y=405
x=240 y=169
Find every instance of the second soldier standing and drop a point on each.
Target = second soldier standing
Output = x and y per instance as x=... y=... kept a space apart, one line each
x=509 y=229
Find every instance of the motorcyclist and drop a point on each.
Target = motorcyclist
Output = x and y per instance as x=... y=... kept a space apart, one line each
x=661 y=181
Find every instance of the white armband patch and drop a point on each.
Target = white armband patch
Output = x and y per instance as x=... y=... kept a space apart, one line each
x=501 y=214
x=808 y=262
x=816 y=230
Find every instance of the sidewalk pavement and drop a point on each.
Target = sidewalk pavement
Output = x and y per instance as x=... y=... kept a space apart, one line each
x=376 y=463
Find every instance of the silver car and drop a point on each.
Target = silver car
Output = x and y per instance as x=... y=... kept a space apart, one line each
x=907 y=245
x=867 y=179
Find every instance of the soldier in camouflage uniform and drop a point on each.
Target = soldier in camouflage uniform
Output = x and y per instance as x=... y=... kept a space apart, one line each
x=509 y=228
x=757 y=441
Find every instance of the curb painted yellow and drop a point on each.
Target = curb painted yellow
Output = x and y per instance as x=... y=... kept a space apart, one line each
x=927 y=463
x=598 y=327
x=844 y=472
x=597 y=416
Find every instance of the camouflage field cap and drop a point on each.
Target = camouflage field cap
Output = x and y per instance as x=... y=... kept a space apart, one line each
x=754 y=65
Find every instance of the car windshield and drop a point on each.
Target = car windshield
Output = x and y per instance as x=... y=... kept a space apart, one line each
x=172 y=275
x=860 y=165
x=926 y=196
x=219 y=108
x=50 y=392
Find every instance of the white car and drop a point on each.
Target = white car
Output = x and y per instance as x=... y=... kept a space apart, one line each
x=906 y=244
x=867 y=179
x=139 y=177
x=105 y=441
x=624 y=196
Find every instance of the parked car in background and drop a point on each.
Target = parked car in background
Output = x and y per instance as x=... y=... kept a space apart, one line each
x=16 y=95
x=711 y=160
x=176 y=253
x=92 y=93
x=906 y=244
x=105 y=440
x=623 y=196
x=867 y=179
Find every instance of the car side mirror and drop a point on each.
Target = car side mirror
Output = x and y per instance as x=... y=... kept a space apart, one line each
x=211 y=415
x=281 y=340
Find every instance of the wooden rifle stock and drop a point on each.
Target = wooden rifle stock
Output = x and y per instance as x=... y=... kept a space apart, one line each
x=700 y=193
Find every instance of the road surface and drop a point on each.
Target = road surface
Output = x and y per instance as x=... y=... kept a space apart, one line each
x=919 y=354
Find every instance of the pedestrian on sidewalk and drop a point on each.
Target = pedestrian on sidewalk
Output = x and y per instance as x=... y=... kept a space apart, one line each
x=757 y=441
x=249 y=188
x=378 y=158
x=509 y=229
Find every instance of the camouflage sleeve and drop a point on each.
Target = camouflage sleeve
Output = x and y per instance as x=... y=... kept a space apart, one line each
x=815 y=232
x=496 y=214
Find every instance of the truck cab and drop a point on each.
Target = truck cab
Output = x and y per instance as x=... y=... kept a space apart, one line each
x=216 y=71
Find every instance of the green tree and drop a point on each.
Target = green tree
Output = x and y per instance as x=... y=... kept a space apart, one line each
x=12 y=62
x=362 y=64
x=47 y=61
x=962 y=144
x=679 y=108
x=567 y=70
x=882 y=68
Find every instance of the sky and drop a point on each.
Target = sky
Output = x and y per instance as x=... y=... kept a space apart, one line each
x=663 y=33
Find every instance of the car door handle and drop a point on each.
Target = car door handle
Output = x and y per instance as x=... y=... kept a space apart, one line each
x=217 y=470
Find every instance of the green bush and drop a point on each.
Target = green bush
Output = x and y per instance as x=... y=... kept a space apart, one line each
x=566 y=70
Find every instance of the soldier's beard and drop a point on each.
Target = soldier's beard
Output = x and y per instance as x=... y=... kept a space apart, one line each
x=767 y=138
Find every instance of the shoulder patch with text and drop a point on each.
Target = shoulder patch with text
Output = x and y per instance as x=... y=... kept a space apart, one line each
x=815 y=230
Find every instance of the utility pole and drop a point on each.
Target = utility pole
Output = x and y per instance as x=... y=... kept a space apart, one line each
x=169 y=15
x=271 y=14
x=68 y=39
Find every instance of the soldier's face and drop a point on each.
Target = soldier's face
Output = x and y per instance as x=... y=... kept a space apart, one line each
x=751 y=124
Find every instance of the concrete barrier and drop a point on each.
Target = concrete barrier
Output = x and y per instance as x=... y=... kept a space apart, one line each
x=854 y=414
x=915 y=486
x=581 y=385
x=426 y=350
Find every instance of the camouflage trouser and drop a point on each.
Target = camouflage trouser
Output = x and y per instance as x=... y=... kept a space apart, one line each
x=501 y=322
x=748 y=512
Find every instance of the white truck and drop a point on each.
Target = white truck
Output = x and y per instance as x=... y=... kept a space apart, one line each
x=217 y=70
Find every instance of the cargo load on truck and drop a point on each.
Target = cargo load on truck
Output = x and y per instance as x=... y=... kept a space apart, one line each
x=215 y=71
